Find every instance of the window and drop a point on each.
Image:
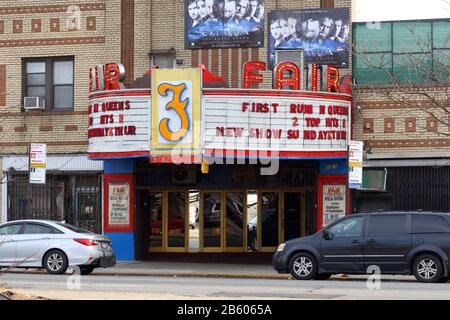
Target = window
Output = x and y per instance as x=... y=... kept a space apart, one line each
x=39 y=229
x=429 y=224
x=51 y=78
x=10 y=229
x=163 y=59
x=412 y=52
x=348 y=228
x=386 y=224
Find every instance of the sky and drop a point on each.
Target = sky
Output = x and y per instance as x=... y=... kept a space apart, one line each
x=385 y=10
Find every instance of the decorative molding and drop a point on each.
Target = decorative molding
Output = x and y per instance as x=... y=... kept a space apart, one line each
x=50 y=8
x=409 y=143
x=50 y=143
x=51 y=42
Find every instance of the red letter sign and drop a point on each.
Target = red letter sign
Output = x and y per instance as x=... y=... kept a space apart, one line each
x=314 y=77
x=293 y=81
x=114 y=75
x=250 y=77
x=333 y=79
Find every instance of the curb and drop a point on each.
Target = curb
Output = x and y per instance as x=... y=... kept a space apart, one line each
x=216 y=275
x=181 y=275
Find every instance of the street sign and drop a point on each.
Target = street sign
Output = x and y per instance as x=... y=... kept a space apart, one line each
x=355 y=165
x=38 y=158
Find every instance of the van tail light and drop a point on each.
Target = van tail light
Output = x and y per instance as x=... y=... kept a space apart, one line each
x=86 y=242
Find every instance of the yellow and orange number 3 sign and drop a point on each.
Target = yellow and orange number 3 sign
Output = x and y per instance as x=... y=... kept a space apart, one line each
x=176 y=108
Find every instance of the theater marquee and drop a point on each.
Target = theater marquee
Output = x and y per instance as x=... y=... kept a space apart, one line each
x=289 y=125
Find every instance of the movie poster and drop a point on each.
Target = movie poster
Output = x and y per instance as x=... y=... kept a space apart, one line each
x=323 y=34
x=224 y=23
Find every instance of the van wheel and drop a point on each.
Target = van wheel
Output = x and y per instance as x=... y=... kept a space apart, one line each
x=303 y=266
x=55 y=262
x=428 y=268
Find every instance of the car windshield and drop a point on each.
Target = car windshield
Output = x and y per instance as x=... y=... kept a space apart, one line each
x=73 y=228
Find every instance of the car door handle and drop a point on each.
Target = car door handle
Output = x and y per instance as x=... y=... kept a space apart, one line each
x=356 y=241
x=371 y=241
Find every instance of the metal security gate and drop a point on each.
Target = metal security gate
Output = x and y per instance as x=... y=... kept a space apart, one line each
x=426 y=188
x=75 y=199
x=409 y=188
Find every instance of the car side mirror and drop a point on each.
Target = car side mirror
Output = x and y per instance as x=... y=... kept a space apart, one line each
x=328 y=235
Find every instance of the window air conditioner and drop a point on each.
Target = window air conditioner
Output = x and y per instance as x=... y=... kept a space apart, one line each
x=34 y=103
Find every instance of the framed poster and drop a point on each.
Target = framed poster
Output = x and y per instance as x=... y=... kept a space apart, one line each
x=333 y=202
x=119 y=201
x=223 y=23
x=332 y=199
x=323 y=34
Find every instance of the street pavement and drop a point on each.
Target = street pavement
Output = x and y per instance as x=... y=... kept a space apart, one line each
x=212 y=288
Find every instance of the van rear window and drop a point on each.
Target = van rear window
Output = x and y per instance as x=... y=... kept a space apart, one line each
x=429 y=224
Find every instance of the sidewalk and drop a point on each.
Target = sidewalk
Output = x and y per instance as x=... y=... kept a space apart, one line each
x=216 y=270
x=206 y=270
x=192 y=269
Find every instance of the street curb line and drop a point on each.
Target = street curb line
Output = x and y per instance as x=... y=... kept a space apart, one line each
x=183 y=275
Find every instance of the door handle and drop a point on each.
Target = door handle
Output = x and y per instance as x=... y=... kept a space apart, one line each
x=356 y=241
x=371 y=241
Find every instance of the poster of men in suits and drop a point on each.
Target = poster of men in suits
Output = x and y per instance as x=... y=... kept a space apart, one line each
x=323 y=34
x=224 y=23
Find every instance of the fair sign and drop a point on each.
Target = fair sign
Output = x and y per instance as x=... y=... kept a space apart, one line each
x=179 y=118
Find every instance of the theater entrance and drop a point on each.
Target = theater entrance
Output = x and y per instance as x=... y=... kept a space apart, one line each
x=229 y=220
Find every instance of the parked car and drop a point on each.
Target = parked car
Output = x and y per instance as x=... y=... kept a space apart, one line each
x=415 y=243
x=54 y=246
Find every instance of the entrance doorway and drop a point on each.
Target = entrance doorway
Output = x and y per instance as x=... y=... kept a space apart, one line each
x=198 y=221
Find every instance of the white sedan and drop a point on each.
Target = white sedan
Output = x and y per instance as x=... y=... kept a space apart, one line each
x=54 y=246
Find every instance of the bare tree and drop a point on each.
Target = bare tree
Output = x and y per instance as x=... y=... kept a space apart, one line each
x=422 y=83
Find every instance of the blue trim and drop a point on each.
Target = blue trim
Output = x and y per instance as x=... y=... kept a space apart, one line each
x=120 y=157
x=119 y=166
x=267 y=157
x=123 y=245
x=333 y=166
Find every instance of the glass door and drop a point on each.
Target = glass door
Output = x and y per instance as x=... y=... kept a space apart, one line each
x=293 y=215
x=153 y=210
x=269 y=221
x=176 y=222
x=211 y=221
x=236 y=221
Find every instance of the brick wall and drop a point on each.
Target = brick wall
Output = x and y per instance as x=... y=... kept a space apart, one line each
x=390 y=125
x=46 y=31
x=167 y=31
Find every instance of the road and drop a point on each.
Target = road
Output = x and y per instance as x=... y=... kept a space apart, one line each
x=174 y=288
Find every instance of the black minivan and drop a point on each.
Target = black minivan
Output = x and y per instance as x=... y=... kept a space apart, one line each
x=396 y=242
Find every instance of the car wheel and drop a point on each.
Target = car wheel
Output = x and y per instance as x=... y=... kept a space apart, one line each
x=323 y=276
x=428 y=268
x=303 y=266
x=55 y=262
x=86 y=270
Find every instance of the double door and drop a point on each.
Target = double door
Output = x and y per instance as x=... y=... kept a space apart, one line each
x=227 y=220
x=281 y=216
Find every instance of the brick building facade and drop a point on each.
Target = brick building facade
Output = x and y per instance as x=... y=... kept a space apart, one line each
x=132 y=32
x=136 y=33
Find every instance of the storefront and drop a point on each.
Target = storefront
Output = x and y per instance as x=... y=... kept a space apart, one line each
x=196 y=170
